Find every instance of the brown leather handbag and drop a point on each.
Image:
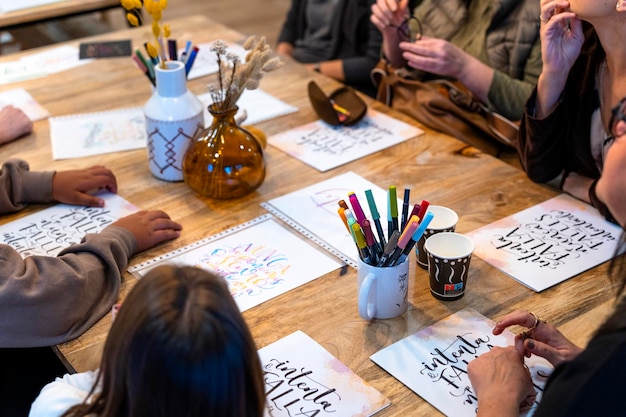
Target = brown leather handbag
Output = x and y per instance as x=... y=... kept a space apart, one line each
x=445 y=106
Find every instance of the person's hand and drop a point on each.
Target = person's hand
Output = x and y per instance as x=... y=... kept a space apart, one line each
x=543 y=339
x=561 y=36
x=436 y=56
x=577 y=186
x=388 y=15
x=13 y=124
x=73 y=186
x=149 y=228
x=500 y=381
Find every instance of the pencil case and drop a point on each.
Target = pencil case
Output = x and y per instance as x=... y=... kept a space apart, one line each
x=342 y=107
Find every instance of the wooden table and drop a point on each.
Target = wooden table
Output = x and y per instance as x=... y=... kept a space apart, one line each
x=59 y=9
x=436 y=167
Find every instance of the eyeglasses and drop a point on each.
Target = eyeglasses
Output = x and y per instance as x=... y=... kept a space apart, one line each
x=618 y=113
x=409 y=30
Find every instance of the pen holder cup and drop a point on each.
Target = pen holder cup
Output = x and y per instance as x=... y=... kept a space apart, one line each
x=382 y=291
x=449 y=256
x=342 y=107
x=444 y=220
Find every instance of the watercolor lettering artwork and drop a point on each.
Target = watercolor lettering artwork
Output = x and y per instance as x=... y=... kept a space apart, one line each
x=88 y=134
x=325 y=147
x=548 y=243
x=304 y=379
x=258 y=105
x=259 y=259
x=433 y=362
x=312 y=211
x=20 y=98
x=49 y=231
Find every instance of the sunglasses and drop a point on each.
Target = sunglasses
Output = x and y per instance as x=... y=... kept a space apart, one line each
x=618 y=113
x=409 y=30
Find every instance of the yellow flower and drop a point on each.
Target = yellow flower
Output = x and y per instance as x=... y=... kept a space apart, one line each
x=157 y=14
x=163 y=4
x=156 y=29
x=132 y=19
x=148 y=5
x=152 y=50
x=167 y=31
x=127 y=4
x=136 y=4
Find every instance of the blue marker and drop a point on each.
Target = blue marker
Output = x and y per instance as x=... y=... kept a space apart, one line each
x=416 y=236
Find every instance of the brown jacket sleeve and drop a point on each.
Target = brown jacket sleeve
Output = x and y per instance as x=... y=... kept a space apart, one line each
x=51 y=300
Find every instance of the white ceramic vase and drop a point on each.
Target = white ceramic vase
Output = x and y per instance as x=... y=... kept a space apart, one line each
x=173 y=117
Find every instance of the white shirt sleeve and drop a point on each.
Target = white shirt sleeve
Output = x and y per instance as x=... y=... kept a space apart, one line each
x=62 y=393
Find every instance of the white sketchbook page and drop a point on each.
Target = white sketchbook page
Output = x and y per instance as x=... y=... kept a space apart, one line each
x=87 y=134
x=12 y=5
x=548 y=243
x=257 y=104
x=325 y=147
x=313 y=212
x=433 y=362
x=259 y=261
x=22 y=100
x=304 y=379
x=41 y=64
x=206 y=60
x=49 y=231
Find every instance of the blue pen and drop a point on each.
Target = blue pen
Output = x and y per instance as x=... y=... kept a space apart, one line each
x=187 y=50
x=190 y=59
x=416 y=236
x=376 y=217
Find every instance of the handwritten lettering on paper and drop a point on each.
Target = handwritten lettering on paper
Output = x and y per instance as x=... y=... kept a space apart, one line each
x=548 y=243
x=324 y=146
x=259 y=260
x=433 y=362
x=49 y=231
x=303 y=379
x=249 y=268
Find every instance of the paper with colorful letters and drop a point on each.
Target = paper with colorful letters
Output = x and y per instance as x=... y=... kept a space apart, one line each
x=260 y=260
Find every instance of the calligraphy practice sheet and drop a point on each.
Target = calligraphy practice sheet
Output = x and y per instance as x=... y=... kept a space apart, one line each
x=22 y=100
x=49 y=231
x=206 y=60
x=41 y=64
x=313 y=212
x=259 y=260
x=548 y=243
x=433 y=362
x=87 y=134
x=304 y=379
x=256 y=104
x=325 y=147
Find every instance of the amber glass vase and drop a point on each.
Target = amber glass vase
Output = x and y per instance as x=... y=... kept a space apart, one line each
x=224 y=161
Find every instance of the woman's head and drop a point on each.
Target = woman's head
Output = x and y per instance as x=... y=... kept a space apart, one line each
x=611 y=187
x=180 y=347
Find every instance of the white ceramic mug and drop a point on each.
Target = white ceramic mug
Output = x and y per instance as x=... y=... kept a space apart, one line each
x=383 y=291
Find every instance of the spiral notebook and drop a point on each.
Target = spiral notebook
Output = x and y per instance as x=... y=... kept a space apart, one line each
x=87 y=134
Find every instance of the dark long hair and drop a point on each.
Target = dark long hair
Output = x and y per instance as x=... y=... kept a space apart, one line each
x=178 y=347
x=617 y=274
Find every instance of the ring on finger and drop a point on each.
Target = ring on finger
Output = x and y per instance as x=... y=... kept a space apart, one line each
x=543 y=19
x=536 y=323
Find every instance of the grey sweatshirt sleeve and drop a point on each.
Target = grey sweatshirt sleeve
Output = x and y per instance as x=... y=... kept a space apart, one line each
x=51 y=300
x=20 y=186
